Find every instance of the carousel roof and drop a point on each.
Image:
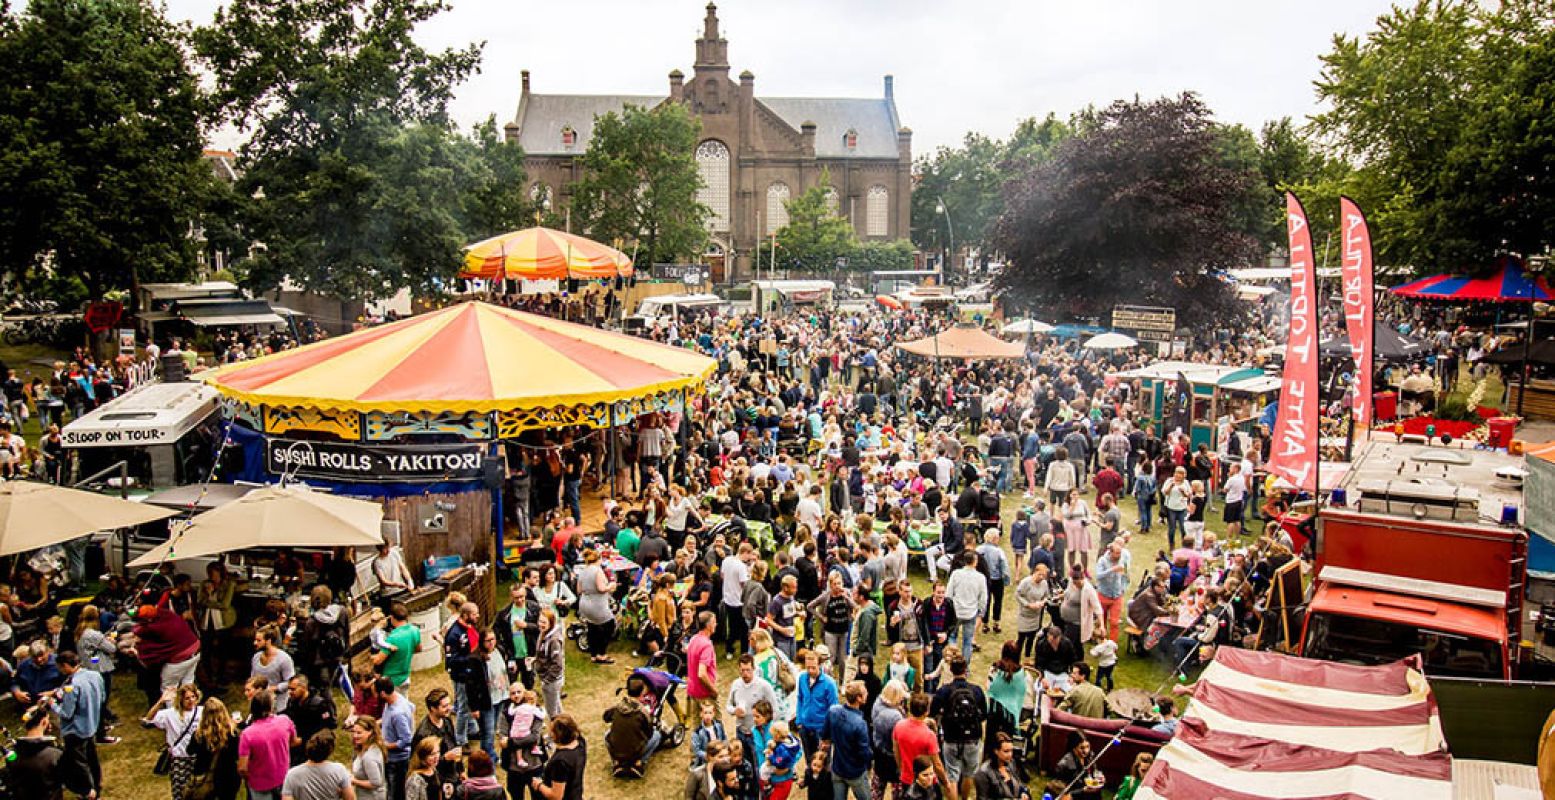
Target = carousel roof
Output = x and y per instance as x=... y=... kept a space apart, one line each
x=469 y=357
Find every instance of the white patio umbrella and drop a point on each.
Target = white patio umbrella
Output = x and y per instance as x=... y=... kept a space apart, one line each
x=34 y=515
x=1027 y=326
x=1110 y=341
x=275 y=516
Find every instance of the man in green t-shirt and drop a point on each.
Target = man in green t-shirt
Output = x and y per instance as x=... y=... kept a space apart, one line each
x=626 y=543
x=404 y=639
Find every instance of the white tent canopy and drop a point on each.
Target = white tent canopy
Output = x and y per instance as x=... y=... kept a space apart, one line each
x=274 y=517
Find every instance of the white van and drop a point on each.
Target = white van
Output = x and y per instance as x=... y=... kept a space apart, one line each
x=665 y=306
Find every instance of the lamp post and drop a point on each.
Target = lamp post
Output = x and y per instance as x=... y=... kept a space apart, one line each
x=950 y=233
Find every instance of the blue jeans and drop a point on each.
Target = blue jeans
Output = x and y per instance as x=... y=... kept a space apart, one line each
x=967 y=629
x=654 y=740
x=1176 y=523
x=570 y=499
x=1006 y=467
x=840 y=786
x=463 y=722
x=1146 y=505
x=488 y=723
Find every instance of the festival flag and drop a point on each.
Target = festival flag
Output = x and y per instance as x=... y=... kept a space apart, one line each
x=1358 y=296
x=1295 y=451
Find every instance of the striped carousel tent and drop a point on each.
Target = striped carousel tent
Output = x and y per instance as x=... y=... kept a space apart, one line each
x=1264 y=725
x=542 y=254
x=471 y=357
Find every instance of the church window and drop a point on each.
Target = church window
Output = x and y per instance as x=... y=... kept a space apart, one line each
x=569 y=136
x=713 y=166
x=832 y=200
x=777 y=206
x=850 y=139
x=878 y=211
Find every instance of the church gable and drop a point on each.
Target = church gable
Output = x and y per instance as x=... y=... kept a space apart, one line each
x=771 y=133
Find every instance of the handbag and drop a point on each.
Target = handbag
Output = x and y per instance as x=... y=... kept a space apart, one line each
x=164 y=763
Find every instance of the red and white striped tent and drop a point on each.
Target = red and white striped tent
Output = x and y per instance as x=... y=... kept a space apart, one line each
x=1265 y=725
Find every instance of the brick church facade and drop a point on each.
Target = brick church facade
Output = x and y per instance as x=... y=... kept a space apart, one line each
x=755 y=153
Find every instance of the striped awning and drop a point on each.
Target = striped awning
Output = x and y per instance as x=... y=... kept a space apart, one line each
x=1264 y=725
x=469 y=357
x=543 y=254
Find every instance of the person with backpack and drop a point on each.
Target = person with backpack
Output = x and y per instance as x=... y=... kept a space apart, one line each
x=962 y=710
x=324 y=640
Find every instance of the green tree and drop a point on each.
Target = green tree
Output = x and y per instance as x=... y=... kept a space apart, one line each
x=100 y=144
x=354 y=182
x=882 y=256
x=968 y=183
x=1142 y=206
x=640 y=182
x=815 y=236
x=1444 y=110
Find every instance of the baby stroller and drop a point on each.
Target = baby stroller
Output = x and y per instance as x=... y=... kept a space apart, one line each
x=627 y=743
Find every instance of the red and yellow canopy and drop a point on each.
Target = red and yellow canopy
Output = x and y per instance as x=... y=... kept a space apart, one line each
x=543 y=253
x=469 y=357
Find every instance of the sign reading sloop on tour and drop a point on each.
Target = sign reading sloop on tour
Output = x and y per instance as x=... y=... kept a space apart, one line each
x=1144 y=318
x=373 y=463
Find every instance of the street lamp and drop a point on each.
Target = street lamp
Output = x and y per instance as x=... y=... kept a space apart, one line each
x=950 y=232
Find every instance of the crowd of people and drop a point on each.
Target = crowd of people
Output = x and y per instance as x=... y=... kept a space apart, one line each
x=781 y=519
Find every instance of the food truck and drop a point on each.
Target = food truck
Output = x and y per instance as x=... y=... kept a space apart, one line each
x=164 y=434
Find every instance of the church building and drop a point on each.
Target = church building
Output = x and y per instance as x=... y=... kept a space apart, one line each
x=756 y=153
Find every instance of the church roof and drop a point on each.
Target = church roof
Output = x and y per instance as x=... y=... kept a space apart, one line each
x=541 y=118
x=873 y=119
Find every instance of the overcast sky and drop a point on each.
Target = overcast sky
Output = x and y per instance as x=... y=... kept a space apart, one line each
x=959 y=66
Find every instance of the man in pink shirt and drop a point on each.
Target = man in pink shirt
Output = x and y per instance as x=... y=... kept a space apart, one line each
x=264 y=749
x=702 y=666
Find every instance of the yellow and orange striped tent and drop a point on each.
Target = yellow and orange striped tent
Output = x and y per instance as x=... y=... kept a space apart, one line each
x=543 y=253
x=468 y=357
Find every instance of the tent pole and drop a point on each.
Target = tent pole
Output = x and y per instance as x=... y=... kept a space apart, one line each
x=610 y=471
x=1522 y=371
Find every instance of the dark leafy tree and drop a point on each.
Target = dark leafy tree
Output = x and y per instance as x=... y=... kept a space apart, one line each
x=1142 y=206
x=354 y=182
x=100 y=145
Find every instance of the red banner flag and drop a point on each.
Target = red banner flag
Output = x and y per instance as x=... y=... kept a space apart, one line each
x=1295 y=451
x=1358 y=298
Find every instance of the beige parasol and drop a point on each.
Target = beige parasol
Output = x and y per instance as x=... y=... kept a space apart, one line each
x=274 y=516
x=964 y=343
x=34 y=515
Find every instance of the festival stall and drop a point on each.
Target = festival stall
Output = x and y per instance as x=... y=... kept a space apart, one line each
x=1214 y=392
x=413 y=413
x=1265 y=725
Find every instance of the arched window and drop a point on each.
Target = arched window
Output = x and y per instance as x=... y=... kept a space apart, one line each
x=833 y=201
x=877 y=211
x=777 y=206
x=713 y=165
x=541 y=195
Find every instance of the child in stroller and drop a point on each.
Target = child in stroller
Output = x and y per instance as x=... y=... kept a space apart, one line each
x=637 y=726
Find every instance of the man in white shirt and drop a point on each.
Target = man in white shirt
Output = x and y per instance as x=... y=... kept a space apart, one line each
x=746 y=691
x=1236 y=496
x=735 y=571
x=389 y=567
x=809 y=510
x=968 y=593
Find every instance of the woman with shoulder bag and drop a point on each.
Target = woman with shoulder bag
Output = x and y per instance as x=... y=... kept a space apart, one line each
x=178 y=721
x=215 y=751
